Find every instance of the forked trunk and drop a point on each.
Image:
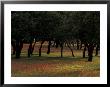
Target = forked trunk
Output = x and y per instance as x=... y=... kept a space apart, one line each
x=70 y=49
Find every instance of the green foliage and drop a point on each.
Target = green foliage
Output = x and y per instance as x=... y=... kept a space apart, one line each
x=83 y=25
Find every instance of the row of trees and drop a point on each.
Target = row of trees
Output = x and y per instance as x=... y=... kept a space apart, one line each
x=58 y=26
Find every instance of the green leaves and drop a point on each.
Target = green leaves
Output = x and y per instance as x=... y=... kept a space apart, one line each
x=83 y=25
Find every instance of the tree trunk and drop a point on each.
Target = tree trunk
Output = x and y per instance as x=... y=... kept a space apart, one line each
x=14 y=46
x=40 y=48
x=73 y=45
x=49 y=44
x=77 y=44
x=33 y=48
x=84 y=52
x=70 y=49
x=30 y=49
x=61 y=50
x=90 y=52
x=21 y=45
x=81 y=46
x=97 y=50
x=17 y=49
x=57 y=43
x=90 y=57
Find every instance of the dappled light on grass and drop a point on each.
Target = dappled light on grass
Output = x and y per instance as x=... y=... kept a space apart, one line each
x=55 y=67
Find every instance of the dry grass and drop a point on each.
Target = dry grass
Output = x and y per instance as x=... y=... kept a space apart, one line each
x=53 y=66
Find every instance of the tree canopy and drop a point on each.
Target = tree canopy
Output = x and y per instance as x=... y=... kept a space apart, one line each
x=61 y=25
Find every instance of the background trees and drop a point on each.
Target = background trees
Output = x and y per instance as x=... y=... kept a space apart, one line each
x=58 y=26
x=89 y=32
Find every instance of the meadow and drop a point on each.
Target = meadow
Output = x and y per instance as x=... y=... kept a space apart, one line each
x=52 y=65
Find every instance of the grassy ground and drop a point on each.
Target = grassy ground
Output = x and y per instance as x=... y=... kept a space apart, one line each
x=53 y=66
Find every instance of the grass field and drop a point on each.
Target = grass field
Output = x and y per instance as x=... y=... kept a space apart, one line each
x=53 y=65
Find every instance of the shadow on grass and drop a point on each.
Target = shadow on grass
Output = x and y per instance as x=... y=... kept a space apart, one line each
x=43 y=58
x=50 y=57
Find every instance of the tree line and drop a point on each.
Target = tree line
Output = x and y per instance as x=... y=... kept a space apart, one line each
x=60 y=27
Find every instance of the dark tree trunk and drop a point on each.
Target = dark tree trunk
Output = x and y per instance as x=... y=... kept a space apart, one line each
x=84 y=51
x=33 y=48
x=73 y=45
x=30 y=49
x=90 y=57
x=97 y=47
x=13 y=43
x=57 y=43
x=90 y=52
x=61 y=50
x=77 y=44
x=81 y=46
x=21 y=45
x=70 y=49
x=40 y=48
x=17 y=49
x=49 y=44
